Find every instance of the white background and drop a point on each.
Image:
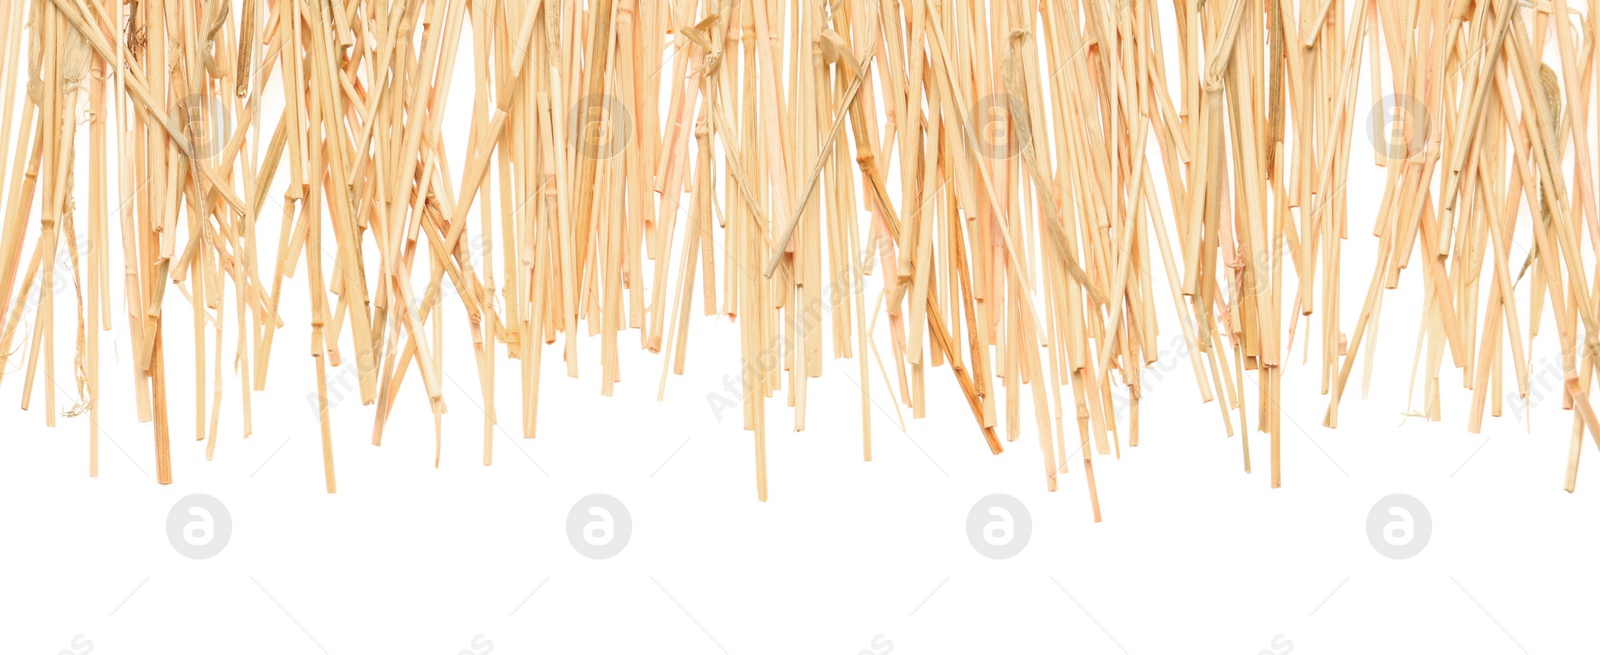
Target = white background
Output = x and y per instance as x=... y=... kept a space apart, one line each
x=1193 y=554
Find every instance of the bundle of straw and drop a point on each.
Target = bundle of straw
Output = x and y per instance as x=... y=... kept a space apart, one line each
x=994 y=165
